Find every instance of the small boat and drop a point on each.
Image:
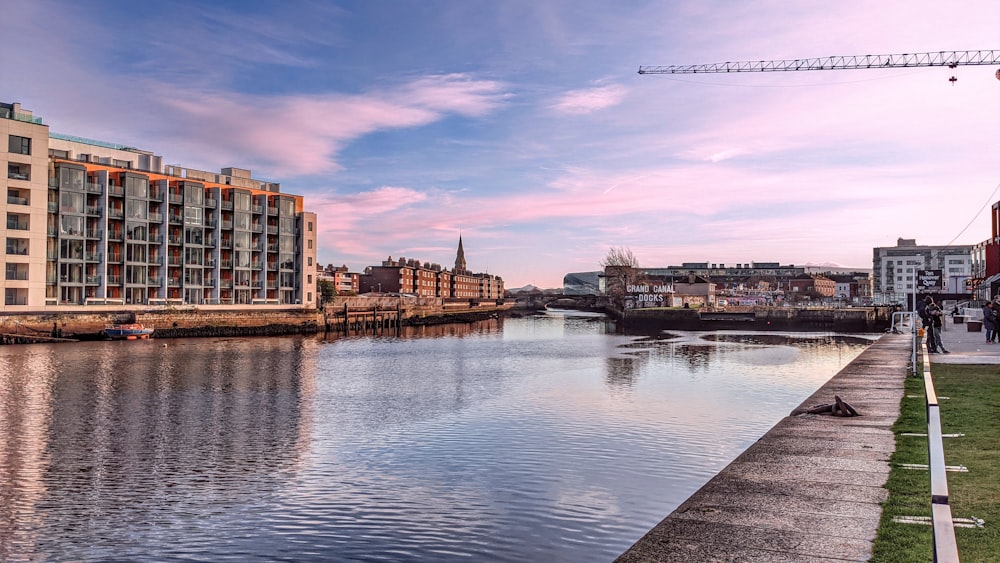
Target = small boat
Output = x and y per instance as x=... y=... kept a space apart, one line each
x=128 y=332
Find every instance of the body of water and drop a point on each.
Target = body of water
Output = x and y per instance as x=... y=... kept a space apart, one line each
x=545 y=438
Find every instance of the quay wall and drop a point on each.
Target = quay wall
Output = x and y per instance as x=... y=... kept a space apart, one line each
x=167 y=322
x=859 y=319
x=215 y=321
x=810 y=489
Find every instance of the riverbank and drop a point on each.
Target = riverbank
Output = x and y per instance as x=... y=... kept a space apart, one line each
x=220 y=321
x=812 y=487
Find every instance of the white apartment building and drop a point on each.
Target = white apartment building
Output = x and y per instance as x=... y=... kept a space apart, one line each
x=895 y=269
x=90 y=222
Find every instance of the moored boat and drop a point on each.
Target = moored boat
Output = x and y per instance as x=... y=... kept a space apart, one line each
x=132 y=331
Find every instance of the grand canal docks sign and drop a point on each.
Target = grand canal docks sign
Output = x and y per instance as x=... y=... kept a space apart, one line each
x=645 y=296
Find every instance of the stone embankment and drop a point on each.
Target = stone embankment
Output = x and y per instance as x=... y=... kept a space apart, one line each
x=809 y=489
x=218 y=321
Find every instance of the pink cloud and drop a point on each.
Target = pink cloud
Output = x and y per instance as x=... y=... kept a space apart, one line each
x=300 y=135
x=581 y=102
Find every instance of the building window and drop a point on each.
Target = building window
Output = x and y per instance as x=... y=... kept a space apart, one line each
x=310 y=280
x=310 y=226
x=310 y=260
x=310 y=243
x=19 y=145
x=309 y=296
x=16 y=171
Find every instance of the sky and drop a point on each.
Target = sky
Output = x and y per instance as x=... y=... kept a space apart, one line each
x=524 y=126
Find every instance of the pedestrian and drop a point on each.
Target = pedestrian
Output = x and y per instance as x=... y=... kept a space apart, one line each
x=989 y=321
x=935 y=314
x=927 y=323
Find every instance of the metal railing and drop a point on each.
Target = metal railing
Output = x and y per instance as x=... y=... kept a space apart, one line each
x=945 y=546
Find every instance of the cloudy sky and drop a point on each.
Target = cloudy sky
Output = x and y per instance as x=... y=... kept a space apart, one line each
x=525 y=127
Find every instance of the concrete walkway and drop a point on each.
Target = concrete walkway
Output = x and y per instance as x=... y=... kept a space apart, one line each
x=965 y=347
x=811 y=488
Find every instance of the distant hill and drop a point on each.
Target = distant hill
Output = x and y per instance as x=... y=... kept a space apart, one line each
x=531 y=289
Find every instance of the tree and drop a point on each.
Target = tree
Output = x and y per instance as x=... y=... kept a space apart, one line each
x=326 y=289
x=621 y=269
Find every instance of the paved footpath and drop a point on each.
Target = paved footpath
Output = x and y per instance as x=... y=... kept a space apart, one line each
x=811 y=488
x=965 y=347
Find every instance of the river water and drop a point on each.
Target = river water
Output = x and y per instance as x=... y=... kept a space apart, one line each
x=545 y=438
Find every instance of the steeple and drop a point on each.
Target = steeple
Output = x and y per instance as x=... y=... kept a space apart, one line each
x=460 y=257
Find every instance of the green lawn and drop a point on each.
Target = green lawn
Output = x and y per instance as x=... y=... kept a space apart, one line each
x=973 y=408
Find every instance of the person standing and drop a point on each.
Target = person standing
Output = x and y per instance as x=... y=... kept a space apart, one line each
x=935 y=314
x=925 y=320
x=989 y=322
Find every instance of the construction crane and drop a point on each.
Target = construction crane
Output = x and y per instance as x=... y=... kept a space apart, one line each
x=950 y=59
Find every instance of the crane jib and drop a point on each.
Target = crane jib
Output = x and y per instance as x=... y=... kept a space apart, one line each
x=950 y=59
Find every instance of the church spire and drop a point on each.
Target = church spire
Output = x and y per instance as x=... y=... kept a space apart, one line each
x=460 y=257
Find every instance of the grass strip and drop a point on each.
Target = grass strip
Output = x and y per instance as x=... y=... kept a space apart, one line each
x=973 y=409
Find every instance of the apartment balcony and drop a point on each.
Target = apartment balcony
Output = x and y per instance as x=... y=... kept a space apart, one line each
x=227 y=205
x=17 y=176
x=155 y=195
x=272 y=248
x=93 y=280
x=210 y=263
x=211 y=203
x=92 y=257
x=94 y=188
x=255 y=264
x=156 y=217
x=258 y=209
x=257 y=228
x=226 y=264
x=272 y=229
x=93 y=234
x=115 y=258
x=117 y=191
x=210 y=243
x=176 y=199
x=272 y=284
x=11 y=200
x=94 y=211
x=272 y=210
x=175 y=240
x=154 y=280
x=209 y=283
x=211 y=222
x=116 y=213
x=16 y=276
x=226 y=284
x=156 y=238
x=227 y=225
x=115 y=236
x=51 y=279
x=175 y=261
x=226 y=243
x=136 y=237
x=176 y=219
x=114 y=280
x=53 y=207
x=17 y=224
x=17 y=250
x=174 y=282
x=155 y=261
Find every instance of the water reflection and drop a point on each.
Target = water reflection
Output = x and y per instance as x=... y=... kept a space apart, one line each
x=118 y=437
x=543 y=438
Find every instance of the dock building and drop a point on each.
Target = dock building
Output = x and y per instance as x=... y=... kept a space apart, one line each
x=90 y=222
x=411 y=277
